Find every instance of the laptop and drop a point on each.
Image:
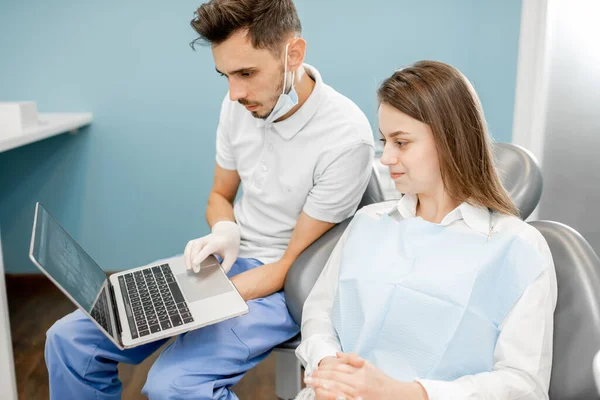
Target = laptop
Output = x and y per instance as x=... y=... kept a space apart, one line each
x=139 y=305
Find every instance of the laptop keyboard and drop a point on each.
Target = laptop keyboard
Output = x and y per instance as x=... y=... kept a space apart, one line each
x=153 y=301
x=100 y=312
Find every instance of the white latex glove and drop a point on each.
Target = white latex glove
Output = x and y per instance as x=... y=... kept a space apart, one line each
x=224 y=241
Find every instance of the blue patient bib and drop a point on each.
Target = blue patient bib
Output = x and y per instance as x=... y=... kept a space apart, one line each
x=422 y=300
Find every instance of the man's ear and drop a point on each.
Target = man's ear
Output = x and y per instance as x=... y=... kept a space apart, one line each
x=296 y=52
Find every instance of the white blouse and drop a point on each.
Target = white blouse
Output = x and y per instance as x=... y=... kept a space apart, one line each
x=523 y=353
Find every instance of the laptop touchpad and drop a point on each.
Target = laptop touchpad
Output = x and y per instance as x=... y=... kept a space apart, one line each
x=209 y=282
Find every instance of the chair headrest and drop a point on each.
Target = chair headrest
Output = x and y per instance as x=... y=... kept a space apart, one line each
x=520 y=174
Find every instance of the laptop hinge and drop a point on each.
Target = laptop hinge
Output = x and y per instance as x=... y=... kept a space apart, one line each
x=115 y=310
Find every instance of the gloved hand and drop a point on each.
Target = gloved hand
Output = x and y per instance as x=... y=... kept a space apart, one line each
x=224 y=241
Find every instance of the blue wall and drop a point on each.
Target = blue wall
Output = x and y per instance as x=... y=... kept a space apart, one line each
x=133 y=186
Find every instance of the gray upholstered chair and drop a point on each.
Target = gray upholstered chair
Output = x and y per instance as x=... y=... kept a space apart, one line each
x=522 y=178
x=577 y=315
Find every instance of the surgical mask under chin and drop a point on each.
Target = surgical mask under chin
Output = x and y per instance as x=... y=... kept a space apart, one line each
x=286 y=101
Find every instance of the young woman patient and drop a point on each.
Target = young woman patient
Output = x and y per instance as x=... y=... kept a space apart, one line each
x=446 y=293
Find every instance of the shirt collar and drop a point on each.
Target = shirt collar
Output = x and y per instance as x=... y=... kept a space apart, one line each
x=289 y=127
x=476 y=217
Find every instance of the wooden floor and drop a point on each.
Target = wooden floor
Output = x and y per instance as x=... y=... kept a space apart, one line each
x=35 y=303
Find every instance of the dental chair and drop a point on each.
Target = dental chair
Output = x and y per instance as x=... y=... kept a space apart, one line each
x=521 y=177
x=577 y=315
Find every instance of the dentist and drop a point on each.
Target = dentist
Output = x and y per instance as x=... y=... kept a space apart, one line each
x=301 y=152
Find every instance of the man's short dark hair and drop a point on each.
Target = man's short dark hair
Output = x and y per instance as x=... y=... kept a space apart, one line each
x=269 y=22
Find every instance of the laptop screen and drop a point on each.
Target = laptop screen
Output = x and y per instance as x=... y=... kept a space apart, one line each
x=61 y=257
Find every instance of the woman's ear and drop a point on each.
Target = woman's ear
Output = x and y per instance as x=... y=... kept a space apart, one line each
x=296 y=52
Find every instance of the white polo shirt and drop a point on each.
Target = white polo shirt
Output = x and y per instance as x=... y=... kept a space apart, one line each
x=318 y=161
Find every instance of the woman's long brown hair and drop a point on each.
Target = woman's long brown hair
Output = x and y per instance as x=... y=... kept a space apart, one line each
x=440 y=96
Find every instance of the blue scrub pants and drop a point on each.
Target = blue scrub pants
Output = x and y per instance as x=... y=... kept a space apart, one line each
x=201 y=364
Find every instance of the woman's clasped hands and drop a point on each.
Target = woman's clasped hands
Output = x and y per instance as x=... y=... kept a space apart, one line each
x=349 y=377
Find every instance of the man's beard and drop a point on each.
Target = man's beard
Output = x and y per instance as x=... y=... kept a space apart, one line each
x=273 y=100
